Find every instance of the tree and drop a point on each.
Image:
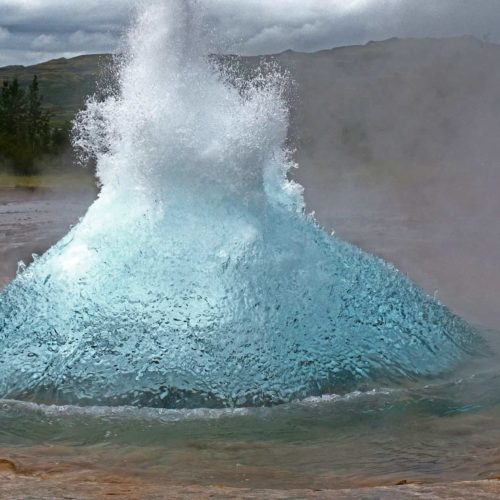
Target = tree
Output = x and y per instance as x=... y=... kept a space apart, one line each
x=25 y=132
x=38 y=121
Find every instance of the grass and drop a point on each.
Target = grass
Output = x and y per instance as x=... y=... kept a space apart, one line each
x=52 y=181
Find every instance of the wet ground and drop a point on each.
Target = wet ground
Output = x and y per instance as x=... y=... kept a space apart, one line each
x=32 y=220
x=116 y=487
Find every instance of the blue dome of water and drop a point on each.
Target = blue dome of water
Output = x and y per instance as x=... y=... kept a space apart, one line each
x=196 y=279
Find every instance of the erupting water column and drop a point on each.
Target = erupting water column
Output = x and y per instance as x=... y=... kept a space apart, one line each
x=196 y=279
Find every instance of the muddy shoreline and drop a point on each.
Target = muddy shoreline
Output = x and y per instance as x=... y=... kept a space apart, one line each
x=68 y=480
x=42 y=488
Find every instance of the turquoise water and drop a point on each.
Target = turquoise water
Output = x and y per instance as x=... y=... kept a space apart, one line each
x=440 y=430
x=197 y=279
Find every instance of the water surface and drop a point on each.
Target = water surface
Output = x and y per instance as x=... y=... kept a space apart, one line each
x=441 y=430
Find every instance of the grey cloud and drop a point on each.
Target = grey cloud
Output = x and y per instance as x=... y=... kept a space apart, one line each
x=64 y=15
x=313 y=24
x=4 y=34
x=32 y=30
x=28 y=48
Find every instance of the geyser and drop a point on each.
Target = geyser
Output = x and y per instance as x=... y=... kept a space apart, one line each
x=196 y=279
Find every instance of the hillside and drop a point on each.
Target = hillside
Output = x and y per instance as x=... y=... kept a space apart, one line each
x=411 y=101
x=63 y=82
x=373 y=104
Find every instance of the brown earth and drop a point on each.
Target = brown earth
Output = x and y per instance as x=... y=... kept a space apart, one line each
x=62 y=482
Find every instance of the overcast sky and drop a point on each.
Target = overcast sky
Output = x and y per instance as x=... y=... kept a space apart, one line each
x=37 y=30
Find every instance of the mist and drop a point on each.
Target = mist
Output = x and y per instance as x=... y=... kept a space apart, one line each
x=398 y=147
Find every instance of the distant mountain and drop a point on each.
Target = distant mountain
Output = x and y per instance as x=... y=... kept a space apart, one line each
x=380 y=104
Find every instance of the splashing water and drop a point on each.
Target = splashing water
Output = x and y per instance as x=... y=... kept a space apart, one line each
x=196 y=279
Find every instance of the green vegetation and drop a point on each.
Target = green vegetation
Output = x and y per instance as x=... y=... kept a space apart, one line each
x=37 y=104
x=69 y=179
x=25 y=131
x=64 y=83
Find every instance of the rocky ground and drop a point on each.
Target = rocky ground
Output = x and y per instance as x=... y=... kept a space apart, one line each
x=50 y=484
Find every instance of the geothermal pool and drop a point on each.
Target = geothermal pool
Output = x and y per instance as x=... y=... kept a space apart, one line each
x=442 y=431
x=196 y=326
